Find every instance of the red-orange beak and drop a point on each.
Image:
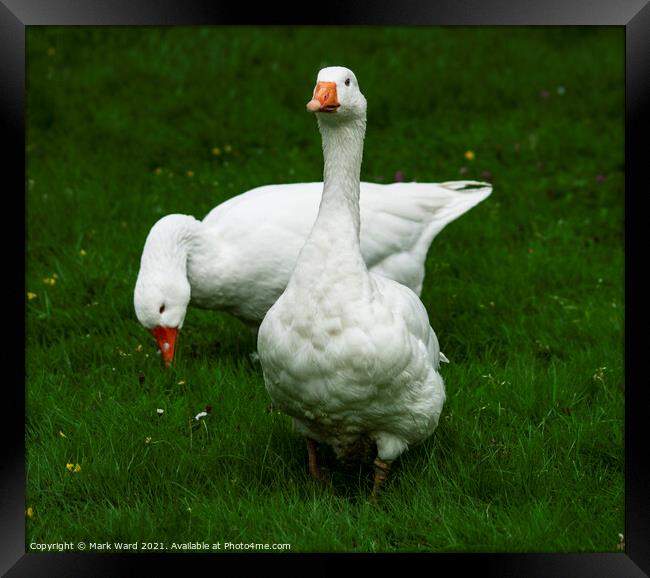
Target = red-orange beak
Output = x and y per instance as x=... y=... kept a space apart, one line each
x=325 y=98
x=166 y=338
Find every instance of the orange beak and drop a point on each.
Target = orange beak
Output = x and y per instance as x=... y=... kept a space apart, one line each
x=325 y=98
x=166 y=339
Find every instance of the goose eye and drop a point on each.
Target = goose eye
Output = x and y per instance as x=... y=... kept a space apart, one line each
x=162 y=308
x=347 y=82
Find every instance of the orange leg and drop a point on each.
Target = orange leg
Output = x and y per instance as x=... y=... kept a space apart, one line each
x=314 y=469
x=382 y=469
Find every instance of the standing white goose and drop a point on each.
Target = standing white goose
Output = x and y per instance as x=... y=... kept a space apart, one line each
x=240 y=257
x=349 y=354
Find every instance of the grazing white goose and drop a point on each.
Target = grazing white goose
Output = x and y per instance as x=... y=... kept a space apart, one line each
x=240 y=257
x=348 y=353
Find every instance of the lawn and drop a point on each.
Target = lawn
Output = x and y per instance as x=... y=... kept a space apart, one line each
x=525 y=292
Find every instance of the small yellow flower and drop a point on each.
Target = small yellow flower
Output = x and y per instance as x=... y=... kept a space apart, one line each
x=216 y=151
x=31 y=295
x=190 y=173
x=77 y=468
x=55 y=276
x=29 y=512
x=82 y=252
x=469 y=155
x=49 y=280
x=227 y=148
x=69 y=467
x=139 y=347
x=62 y=435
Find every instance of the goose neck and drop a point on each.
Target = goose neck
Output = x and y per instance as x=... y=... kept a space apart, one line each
x=168 y=244
x=342 y=154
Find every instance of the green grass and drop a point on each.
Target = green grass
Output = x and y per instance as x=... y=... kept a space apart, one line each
x=525 y=292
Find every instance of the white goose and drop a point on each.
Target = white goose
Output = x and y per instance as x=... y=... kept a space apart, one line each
x=348 y=353
x=240 y=257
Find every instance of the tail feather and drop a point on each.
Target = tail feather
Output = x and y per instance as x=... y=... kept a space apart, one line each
x=466 y=195
x=469 y=185
x=407 y=217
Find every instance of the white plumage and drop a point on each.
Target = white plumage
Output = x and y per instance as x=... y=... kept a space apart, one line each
x=347 y=352
x=240 y=257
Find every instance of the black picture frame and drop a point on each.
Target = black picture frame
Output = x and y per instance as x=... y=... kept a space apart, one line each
x=15 y=15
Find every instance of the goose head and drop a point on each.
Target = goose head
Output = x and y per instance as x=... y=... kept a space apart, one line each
x=337 y=96
x=162 y=290
x=160 y=306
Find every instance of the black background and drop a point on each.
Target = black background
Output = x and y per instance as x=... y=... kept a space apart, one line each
x=15 y=15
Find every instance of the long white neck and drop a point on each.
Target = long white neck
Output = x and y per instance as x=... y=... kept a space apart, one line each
x=342 y=154
x=337 y=226
x=166 y=248
x=330 y=268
